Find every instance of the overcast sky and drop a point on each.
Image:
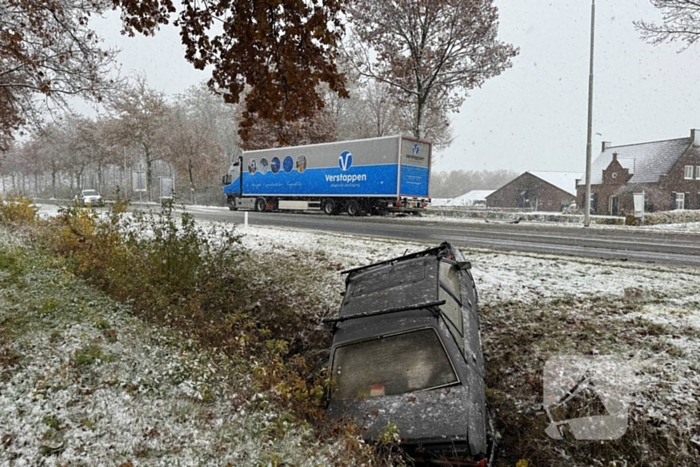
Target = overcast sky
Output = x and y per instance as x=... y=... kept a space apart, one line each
x=533 y=116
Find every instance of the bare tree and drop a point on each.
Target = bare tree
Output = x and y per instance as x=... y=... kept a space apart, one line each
x=263 y=133
x=211 y=110
x=429 y=51
x=74 y=154
x=47 y=52
x=140 y=113
x=10 y=167
x=190 y=145
x=680 y=22
x=48 y=141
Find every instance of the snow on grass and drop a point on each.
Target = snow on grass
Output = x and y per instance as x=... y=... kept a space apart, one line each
x=535 y=307
x=500 y=277
x=87 y=384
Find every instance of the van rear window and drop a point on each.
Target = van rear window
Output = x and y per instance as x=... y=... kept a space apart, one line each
x=390 y=365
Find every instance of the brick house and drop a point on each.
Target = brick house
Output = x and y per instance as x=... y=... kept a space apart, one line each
x=668 y=172
x=540 y=191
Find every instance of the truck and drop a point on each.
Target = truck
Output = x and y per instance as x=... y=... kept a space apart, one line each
x=364 y=176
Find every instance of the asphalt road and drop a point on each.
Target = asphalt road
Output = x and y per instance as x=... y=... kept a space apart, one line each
x=607 y=243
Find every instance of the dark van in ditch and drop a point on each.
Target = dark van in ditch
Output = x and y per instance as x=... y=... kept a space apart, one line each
x=406 y=350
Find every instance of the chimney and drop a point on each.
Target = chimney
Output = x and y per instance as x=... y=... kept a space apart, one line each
x=605 y=145
x=614 y=157
x=695 y=137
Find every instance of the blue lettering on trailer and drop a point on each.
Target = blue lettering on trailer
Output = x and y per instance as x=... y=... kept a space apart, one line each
x=358 y=181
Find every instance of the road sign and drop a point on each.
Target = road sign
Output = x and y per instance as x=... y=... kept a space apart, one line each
x=166 y=187
x=139 y=181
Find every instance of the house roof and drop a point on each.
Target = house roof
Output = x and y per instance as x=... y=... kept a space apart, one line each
x=563 y=180
x=646 y=161
x=468 y=198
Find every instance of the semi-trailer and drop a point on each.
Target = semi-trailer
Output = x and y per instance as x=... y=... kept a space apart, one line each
x=373 y=176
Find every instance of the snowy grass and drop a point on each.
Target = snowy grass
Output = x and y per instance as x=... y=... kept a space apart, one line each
x=536 y=307
x=82 y=382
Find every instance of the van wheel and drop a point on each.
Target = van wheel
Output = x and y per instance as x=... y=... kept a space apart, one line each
x=353 y=208
x=260 y=205
x=328 y=207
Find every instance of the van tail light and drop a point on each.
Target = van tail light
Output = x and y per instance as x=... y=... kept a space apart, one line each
x=376 y=390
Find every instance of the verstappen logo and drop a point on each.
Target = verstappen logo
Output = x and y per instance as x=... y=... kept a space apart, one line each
x=345 y=160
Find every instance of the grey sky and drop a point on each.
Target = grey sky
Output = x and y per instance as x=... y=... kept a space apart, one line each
x=533 y=116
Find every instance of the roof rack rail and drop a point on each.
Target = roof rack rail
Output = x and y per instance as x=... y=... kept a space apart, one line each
x=431 y=306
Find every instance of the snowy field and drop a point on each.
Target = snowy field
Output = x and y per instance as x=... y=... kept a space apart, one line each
x=648 y=316
x=104 y=389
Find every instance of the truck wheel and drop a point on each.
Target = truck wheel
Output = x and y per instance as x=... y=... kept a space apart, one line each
x=260 y=204
x=232 y=205
x=328 y=207
x=353 y=208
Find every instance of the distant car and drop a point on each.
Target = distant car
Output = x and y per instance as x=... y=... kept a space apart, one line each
x=406 y=350
x=89 y=198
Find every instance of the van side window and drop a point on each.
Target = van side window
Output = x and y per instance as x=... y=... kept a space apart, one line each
x=449 y=278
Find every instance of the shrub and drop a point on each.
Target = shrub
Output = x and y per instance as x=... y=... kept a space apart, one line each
x=671 y=217
x=17 y=210
x=201 y=282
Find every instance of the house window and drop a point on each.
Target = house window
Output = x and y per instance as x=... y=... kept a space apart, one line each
x=680 y=200
x=697 y=172
x=688 y=172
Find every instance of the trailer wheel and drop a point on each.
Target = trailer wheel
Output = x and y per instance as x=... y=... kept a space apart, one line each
x=353 y=208
x=328 y=207
x=260 y=204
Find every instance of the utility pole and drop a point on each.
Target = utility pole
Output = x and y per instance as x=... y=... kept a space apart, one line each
x=587 y=203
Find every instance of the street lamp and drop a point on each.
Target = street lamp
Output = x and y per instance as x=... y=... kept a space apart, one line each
x=587 y=203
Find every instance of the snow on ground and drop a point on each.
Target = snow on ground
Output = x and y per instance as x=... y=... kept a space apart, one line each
x=647 y=315
x=146 y=389
x=87 y=384
x=500 y=277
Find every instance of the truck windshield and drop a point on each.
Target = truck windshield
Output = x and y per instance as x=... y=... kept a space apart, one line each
x=389 y=365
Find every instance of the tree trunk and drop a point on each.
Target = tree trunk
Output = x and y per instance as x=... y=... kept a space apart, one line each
x=149 y=171
x=53 y=179
x=191 y=177
x=418 y=131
